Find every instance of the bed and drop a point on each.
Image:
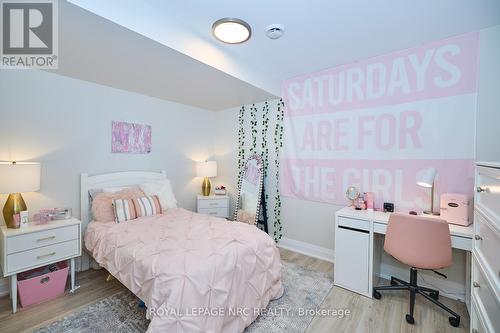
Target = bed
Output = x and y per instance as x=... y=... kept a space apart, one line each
x=194 y=272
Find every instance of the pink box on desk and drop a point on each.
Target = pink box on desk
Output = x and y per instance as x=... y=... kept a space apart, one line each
x=41 y=288
x=454 y=208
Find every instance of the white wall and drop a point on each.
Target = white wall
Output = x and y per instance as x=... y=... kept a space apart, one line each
x=66 y=125
x=488 y=98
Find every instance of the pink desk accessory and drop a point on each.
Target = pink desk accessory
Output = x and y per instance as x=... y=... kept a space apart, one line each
x=369 y=200
x=454 y=208
x=49 y=214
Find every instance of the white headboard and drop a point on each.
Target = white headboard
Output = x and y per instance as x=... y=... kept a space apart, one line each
x=115 y=179
x=127 y=178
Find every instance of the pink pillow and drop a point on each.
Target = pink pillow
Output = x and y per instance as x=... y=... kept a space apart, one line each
x=102 y=205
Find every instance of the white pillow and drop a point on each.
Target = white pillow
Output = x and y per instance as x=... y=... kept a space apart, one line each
x=162 y=189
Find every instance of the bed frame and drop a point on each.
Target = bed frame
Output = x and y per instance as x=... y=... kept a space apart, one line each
x=114 y=179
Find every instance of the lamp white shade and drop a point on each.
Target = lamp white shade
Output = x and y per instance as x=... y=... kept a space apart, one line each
x=206 y=169
x=19 y=177
x=427 y=179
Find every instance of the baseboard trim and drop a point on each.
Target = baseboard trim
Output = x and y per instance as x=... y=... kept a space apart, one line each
x=307 y=249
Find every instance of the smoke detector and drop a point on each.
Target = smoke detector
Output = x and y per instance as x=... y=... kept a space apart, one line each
x=275 y=31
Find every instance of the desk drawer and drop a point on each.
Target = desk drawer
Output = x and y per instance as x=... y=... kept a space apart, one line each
x=476 y=321
x=212 y=203
x=487 y=247
x=41 y=238
x=354 y=223
x=488 y=193
x=485 y=296
x=379 y=228
x=37 y=257
x=219 y=212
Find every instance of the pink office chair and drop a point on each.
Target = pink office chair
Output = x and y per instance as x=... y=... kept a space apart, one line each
x=421 y=243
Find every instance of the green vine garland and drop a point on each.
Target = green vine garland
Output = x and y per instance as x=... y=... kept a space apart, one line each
x=278 y=144
x=264 y=147
x=241 y=141
x=265 y=128
x=253 y=124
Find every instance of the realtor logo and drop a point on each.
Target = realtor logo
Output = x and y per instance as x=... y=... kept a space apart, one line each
x=29 y=34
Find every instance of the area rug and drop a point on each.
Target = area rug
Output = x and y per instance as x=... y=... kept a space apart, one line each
x=304 y=290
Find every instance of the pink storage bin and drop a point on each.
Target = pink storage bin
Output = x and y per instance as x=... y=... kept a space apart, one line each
x=43 y=287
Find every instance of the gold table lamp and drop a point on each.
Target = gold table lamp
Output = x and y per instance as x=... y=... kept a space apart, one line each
x=17 y=178
x=206 y=169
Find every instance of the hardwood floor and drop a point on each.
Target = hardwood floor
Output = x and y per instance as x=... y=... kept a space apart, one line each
x=93 y=287
x=385 y=315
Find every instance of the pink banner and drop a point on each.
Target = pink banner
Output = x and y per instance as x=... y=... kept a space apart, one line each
x=401 y=113
x=438 y=69
x=392 y=180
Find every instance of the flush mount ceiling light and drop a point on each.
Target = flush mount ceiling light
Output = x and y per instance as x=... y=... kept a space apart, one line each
x=231 y=30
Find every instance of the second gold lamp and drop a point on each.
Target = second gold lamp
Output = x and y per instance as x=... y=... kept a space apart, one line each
x=207 y=169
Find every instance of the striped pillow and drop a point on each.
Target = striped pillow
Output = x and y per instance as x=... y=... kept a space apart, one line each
x=147 y=206
x=124 y=210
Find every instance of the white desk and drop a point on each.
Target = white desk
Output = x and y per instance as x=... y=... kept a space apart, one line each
x=354 y=247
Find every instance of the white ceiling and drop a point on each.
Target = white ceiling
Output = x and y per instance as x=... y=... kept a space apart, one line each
x=97 y=50
x=319 y=33
x=324 y=33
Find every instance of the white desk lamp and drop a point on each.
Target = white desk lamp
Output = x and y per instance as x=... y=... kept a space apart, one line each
x=427 y=181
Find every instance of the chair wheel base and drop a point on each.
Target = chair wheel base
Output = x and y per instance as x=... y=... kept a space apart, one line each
x=376 y=294
x=434 y=295
x=455 y=322
x=410 y=319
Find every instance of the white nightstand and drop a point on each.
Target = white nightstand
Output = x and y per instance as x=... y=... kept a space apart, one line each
x=216 y=205
x=39 y=245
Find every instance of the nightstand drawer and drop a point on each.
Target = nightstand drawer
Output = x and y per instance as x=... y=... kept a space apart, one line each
x=43 y=255
x=212 y=203
x=41 y=238
x=219 y=212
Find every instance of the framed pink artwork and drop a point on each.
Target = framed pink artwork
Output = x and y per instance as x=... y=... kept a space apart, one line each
x=130 y=138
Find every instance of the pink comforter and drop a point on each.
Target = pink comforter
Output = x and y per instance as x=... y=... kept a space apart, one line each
x=196 y=273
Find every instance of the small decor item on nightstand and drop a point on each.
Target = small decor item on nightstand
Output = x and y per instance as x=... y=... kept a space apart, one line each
x=16 y=221
x=220 y=190
x=23 y=219
x=50 y=214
